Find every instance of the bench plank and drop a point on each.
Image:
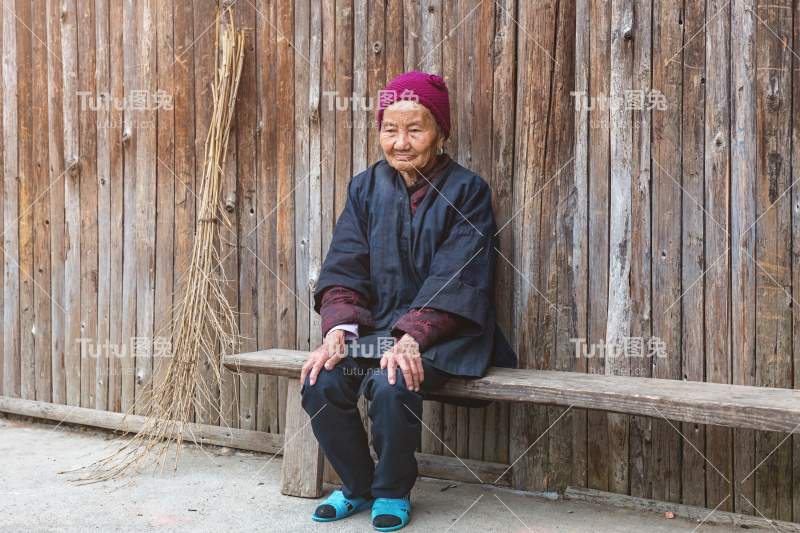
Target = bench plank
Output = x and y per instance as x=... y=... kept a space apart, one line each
x=736 y=406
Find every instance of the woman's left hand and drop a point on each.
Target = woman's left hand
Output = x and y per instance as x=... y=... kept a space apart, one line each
x=405 y=354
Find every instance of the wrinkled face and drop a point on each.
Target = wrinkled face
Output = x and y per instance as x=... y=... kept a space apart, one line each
x=409 y=137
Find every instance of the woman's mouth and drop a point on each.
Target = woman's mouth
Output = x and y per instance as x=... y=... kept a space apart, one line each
x=404 y=157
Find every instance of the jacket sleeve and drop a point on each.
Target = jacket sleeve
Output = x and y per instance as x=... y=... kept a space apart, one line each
x=347 y=261
x=341 y=305
x=461 y=277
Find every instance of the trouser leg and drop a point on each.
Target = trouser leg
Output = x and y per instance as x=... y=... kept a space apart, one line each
x=332 y=402
x=396 y=428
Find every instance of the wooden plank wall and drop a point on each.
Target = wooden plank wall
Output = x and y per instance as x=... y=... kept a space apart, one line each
x=676 y=222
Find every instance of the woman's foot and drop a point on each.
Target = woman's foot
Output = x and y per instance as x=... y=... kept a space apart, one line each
x=390 y=514
x=336 y=507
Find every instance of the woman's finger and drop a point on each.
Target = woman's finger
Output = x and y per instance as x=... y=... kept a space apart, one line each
x=408 y=373
x=391 y=364
x=315 y=371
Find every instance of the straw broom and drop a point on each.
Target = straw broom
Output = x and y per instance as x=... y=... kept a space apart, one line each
x=204 y=323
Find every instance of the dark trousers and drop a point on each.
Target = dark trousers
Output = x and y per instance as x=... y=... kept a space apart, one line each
x=395 y=412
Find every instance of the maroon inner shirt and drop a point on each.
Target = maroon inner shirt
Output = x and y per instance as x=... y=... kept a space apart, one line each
x=341 y=305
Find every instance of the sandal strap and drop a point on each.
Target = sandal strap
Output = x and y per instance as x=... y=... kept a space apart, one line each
x=342 y=505
x=399 y=507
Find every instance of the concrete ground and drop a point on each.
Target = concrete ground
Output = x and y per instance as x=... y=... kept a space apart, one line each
x=221 y=490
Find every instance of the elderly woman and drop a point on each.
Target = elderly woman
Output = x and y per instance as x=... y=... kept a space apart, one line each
x=411 y=262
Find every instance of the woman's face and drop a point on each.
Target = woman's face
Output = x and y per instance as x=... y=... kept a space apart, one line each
x=408 y=136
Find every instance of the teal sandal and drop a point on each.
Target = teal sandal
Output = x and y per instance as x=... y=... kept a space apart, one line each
x=390 y=514
x=337 y=507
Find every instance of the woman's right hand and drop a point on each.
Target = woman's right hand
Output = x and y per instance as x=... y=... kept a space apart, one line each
x=327 y=355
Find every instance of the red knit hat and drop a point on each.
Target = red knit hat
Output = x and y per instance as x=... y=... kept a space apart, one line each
x=429 y=90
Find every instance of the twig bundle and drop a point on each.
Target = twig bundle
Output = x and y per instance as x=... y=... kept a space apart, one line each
x=204 y=323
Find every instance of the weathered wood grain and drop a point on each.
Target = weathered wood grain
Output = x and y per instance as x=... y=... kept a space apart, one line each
x=267 y=251
x=105 y=139
x=743 y=172
x=640 y=468
x=598 y=191
x=246 y=130
x=72 y=222
x=56 y=169
x=667 y=196
x=693 y=243
x=87 y=169
x=40 y=207
x=301 y=474
x=773 y=242
x=25 y=197
x=741 y=406
x=11 y=319
x=719 y=444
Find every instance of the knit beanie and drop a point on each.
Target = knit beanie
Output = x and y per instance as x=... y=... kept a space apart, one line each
x=429 y=90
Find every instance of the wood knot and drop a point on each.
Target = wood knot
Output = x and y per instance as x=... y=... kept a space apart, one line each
x=628 y=36
x=774 y=102
x=377 y=47
x=431 y=9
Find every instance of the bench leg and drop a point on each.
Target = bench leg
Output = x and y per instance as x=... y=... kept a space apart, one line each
x=301 y=474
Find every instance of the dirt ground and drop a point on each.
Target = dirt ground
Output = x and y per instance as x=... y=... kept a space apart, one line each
x=221 y=489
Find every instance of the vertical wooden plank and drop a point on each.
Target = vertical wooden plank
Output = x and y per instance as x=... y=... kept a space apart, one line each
x=504 y=72
x=795 y=199
x=116 y=205
x=315 y=174
x=56 y=171
x=719 y=445
x=537 y=282
x=267 y=415
x=303 y=302
x=11 y=324
x=598 y=172
x=103 y=168
x=666 y=231
x=773 y=241
x=87 y=168
x=640 y=468
x=164 y=113
x=743 y=171
x=580 y=226
x=204 y=15
x=620 y=214
x=183 y=103
x=72 y=222
x=27 y=195
x=130 y=178
x=41 y=207
x=561 y=142
x=246 y=130
x=2 y=184
x=693 y=237
x=146 y=198
x=285 y=230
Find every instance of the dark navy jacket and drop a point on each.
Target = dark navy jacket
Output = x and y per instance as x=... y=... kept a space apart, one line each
x=443 y=258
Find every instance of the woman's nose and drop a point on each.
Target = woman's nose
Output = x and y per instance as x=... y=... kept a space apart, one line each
x=402 y=142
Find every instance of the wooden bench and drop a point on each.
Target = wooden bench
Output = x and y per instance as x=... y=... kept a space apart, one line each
x=734 y=406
